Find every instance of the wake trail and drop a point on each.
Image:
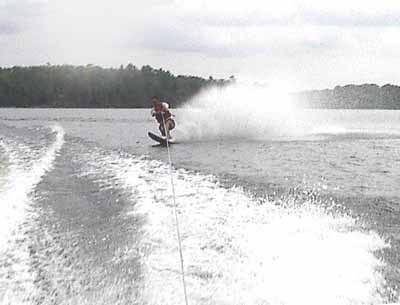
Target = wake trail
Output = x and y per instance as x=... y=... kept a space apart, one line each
x=240 y=249
x=26 y=166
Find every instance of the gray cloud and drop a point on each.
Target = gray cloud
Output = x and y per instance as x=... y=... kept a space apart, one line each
x=302 y=16
x=230 y=41
x=16 y=16
x=8 y=28
x=354 y=20
x=22 y=8
x=255 y=32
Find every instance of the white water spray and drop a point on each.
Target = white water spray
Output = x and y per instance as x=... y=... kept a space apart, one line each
x=239 y=111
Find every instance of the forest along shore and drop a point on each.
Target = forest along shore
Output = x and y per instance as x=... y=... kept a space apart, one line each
x=91 y=86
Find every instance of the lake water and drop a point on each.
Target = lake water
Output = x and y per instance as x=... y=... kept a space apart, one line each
x=285 y=208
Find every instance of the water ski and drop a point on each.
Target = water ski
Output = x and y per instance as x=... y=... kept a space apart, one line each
x=162 y=141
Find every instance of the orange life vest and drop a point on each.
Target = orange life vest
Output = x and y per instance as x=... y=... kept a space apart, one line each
x=158 y=108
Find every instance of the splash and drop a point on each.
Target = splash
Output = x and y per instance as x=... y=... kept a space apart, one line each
x=239 y=111
x=273 y=113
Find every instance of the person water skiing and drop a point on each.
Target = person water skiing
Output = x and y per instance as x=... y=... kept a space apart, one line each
x=163 y=116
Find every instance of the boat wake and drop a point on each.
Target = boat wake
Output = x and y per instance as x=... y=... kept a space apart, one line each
x=240 y=249
x=23 y=166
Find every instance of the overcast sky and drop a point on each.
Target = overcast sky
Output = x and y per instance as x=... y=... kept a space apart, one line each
x=305 y=44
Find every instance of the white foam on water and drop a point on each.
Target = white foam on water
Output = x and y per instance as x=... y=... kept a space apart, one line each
x=21 y=181
x=23 y=174
x=243 y=250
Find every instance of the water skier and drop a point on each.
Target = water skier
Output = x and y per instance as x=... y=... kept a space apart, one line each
x=163 y=116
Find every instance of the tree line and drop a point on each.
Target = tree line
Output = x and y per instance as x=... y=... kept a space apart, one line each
x=366 y=96
x=92 y=86
x=96 y=87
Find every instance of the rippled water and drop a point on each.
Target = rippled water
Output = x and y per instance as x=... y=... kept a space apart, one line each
x=310 y=217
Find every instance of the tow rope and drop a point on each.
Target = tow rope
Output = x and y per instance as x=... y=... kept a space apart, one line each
x=178 y=234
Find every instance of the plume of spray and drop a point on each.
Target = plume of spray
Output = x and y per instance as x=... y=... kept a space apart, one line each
x=239 y=111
